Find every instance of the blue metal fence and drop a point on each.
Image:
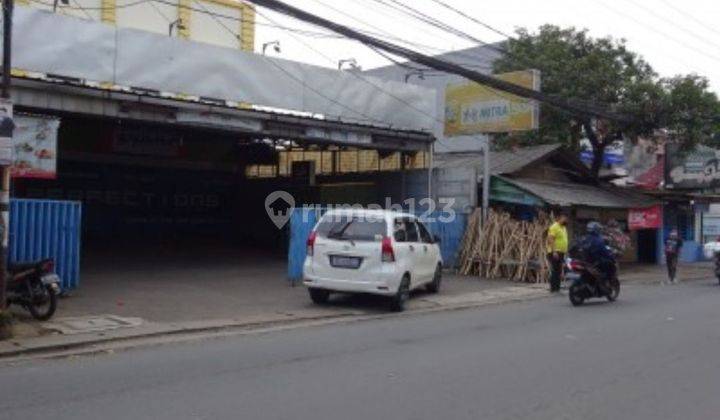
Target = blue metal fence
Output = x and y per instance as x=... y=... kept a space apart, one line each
x=47 y=229
x=303 y=220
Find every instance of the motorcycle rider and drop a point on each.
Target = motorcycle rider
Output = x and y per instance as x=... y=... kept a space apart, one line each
x=598 y=254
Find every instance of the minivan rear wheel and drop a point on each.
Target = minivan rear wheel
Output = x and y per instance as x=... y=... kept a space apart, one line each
x=397 y=303
x=319 y=296
x=434 y=286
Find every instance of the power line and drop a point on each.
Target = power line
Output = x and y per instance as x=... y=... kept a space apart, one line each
x=387 y=34
x=313 y=34
x=673 y=23
x=471 y=18
x=299 y=80
x=661 y=33
x=85 y=12
x=436 y=50
x=369 y=82
x=160 y=12
x=586 y=110
x=363 y=79
x=691 y=17
x=423 y=17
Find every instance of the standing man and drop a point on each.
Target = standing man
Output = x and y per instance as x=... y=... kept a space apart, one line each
x=673 y=245
x=557 y=247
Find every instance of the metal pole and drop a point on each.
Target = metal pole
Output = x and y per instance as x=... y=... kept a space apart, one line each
x=430 y=174
x=8 y=6
x=486 y=179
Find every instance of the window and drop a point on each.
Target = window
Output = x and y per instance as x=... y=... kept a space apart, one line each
x=352 y=228
x=399 y=231
x=405 y=230
x=424 y=234
x=412 y=230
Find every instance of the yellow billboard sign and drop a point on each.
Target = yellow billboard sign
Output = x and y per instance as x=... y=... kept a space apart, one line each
x=472 y=108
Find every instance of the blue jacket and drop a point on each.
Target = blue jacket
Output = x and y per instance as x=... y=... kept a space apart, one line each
x=597 y=249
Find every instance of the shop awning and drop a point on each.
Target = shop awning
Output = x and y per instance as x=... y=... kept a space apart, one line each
x=565 y=194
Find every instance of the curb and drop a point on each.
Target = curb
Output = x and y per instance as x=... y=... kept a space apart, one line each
x=252 y=327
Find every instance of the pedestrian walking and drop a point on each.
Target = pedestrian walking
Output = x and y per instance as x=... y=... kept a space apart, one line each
x=557 y=247
x=673 y=245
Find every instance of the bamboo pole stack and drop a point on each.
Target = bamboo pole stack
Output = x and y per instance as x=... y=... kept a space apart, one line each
x=504 y=248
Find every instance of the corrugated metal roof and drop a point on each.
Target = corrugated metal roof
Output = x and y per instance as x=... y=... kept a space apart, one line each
x=504 y=162
x=567 y=194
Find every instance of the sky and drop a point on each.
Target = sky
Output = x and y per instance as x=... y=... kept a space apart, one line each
x=674 y=37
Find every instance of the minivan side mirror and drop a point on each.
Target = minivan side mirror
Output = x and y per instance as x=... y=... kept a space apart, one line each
x=436 y=239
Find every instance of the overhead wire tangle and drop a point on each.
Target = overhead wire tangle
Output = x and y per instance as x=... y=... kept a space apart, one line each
x=472 y=18
x=368 y=81
x=300 y=81
x=401 y=100
x=436 y=50
x=385 y=33
x=423 y=17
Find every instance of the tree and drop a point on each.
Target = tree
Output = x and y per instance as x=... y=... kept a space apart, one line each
x=603 y=73
x=690 y=111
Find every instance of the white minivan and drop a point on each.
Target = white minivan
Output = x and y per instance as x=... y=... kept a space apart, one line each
x=371 y=251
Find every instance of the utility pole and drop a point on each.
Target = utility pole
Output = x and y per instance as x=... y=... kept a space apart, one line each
x=487 y=173
x=8 y=6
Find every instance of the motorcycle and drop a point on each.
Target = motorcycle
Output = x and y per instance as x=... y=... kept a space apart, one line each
x=588 y=282
x=35 y=287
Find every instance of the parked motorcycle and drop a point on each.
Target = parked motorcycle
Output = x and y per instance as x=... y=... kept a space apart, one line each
x=35 y=287
x=589 y=282
x=712 y=250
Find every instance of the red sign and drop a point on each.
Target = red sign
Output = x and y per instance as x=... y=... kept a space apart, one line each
x=647 y=218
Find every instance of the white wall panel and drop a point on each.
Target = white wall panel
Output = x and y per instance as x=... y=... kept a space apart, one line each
x=215 y=29
x=151 y=16
x=135 y=58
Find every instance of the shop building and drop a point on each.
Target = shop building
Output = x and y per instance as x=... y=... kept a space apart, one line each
x=174 y=145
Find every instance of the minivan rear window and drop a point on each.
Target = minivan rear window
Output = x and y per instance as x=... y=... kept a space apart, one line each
x=352 y=228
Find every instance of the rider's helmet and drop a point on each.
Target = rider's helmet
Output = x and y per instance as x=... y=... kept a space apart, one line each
x=593 y=227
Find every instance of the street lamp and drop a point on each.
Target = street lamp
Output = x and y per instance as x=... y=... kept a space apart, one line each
x=275 y=45
x=177 y=23
x=55 y=4
x=351 y=61
x=419 y=73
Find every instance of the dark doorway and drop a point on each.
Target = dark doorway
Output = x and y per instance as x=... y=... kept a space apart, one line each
x=647 y=246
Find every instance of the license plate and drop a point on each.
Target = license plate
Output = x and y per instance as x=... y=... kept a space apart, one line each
x=345 y=262
x=50 y=279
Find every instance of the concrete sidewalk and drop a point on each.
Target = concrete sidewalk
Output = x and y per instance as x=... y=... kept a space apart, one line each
x=83 y=333
x=142 y=302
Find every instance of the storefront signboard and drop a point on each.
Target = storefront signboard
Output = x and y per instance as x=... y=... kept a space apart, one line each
x=645 y=218
x=35 y=147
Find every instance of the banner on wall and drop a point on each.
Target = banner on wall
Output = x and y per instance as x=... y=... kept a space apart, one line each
x=698 y=168
x=35 y=147
x=646 y=218
x=6 y=132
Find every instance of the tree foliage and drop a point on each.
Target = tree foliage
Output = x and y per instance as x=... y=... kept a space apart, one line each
x=603 y=72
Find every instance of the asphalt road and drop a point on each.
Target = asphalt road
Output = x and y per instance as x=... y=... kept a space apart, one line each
x=654 y=354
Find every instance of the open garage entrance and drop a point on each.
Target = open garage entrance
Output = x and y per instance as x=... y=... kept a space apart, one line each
x=170 y=204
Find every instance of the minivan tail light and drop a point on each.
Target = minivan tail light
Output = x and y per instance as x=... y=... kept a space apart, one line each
x=311 y=243
x=388 y=255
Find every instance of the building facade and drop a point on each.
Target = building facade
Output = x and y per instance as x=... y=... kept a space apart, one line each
x=225 y=23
